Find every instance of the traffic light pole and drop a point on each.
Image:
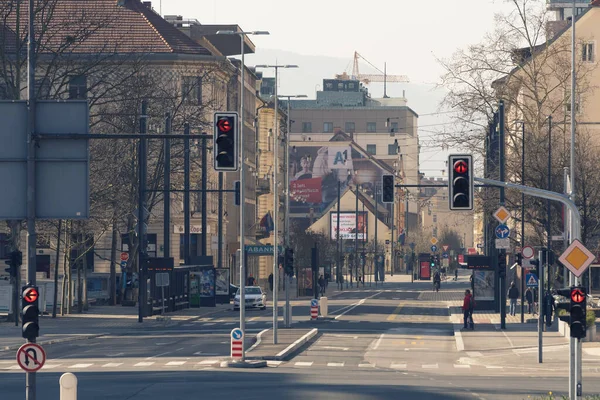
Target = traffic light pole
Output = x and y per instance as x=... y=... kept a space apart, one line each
x=541 y=313
x=575 y=380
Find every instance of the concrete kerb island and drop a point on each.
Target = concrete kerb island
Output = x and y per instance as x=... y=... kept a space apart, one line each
x=290 y=341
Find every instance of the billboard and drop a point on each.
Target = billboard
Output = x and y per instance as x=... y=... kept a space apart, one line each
x=316 y=170
x=348 y=221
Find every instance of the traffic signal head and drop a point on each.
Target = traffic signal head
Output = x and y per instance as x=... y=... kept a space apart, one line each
x=578 y=312
x=30 y=311
x=518 y=258
x=289 y=262
x=432 y=261
x=387 y=183
x=226 y=141
x=501 y=264
x=460 y=182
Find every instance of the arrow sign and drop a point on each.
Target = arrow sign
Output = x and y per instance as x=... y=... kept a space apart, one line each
x=30 y=294
x=433 y=248
x=236 y=334
x=502 y=231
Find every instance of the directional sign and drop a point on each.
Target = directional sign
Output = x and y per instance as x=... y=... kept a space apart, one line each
x=577 y=258
x=445 y=247
x=527 y=252
x=31 y=357
x=123 y=264
x=30 y=294
x=502 y=214
x=444 y=255
x=433 y=241
x=314 y=303
x=237 y=334
x=577 y=295
x=531 y=280
x=237 y=343
x=314 y=309
x=124 y=256
x=502 y=231
x=433 y=248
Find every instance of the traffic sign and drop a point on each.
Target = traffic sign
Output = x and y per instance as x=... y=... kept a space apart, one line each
x=445 y=247
x=577 y=295
x=502 y=214
x=237 y=343
x=502 y=231
x=31 y=357
x=527 y=252
x=124 y=256
x=123 y=265
x=433 y=248
x=531 y=280
x=314 y=308
x=314 y=303
x=503 y=243
x=444 y=255
x=30 y=294
x=577 y=258
x=162 y=279
x=433 y=241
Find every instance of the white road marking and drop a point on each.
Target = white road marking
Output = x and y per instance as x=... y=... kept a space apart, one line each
x=474 y=353
x=303 y=364
x=493 y=367
x=353 y=306
x=201 y=353
x=164 y=343
x=81 y=366
x=398 y=366
x=175 y=363
x=115 y=355
x=334 y=364
x=430 y=366
x=333 y=348
x=144 y=364
x=13 y=367
x=208 y=362
x=274 y=363
x=111 y=365
x=366 y=365
x=209 y=323
x=378 y=342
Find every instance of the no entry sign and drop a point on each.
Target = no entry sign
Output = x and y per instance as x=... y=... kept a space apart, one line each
x=31 y=357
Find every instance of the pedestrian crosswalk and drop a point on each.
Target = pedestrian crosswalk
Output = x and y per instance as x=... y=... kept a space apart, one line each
x=393 y=365
x=124 y=365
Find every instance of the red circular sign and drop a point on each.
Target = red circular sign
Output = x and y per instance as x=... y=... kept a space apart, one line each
x=124 y=256
x=31 y=357
x=30 y=295
x=224 y=125
x=460 y=167
x=577 y=295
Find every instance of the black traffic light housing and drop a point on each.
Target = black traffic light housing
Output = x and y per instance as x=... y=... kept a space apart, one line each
x=460 y=181
x=14 y=262
x=501 y=263
x=536 y=265
x=432 y=261
x=518 y=258
x=289 y=262
x=564 y=305
x=577 y=311
x=30 y=312
x=387 y=183
x=226 y=141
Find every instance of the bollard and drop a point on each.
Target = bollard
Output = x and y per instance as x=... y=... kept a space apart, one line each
x=324 y=307
x=68 y=386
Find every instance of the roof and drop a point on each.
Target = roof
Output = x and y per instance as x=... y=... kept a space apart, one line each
x=104 y=26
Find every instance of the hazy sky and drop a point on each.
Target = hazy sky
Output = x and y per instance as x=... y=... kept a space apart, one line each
x=408 y=35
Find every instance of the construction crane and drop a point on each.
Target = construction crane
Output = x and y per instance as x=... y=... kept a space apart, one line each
x=368 y=78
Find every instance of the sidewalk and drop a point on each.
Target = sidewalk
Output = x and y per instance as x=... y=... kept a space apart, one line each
x=98 y=321
x=289 y=341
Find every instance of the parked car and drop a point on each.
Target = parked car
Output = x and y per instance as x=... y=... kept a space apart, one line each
x=254 y=298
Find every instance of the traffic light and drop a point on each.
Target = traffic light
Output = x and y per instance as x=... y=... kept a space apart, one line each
x=226 y=141
x=518 y=258
x=14 y=262
x=460 y=182
x=536 y=266
x=578 y=311
x=289 y=262
x=387 y=183
x=501 y=264
x=30 y=311
x=432 y=261
x=564 y=305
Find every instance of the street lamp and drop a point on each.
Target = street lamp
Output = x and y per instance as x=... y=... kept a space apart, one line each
x=276 y=196
x=286 y=314
x=242 y=183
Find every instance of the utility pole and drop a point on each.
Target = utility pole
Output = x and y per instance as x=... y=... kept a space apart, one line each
x=523 y=220
x=142 y=244
x=166 y=193
x=548 y=208
x=203 y=194
x=186 y=195
x=502 y=252
x=337 y=232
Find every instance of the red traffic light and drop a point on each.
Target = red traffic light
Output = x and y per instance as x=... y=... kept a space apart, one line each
x=577 y=295
x=30 y=295
x=224 y=125
x=460 y=167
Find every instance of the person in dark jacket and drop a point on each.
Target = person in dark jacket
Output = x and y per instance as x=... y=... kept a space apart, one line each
x=271 y=282
x=513 y=295
x=529 y=298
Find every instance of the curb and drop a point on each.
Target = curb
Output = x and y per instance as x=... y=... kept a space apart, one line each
x=291 y=349
x=258 y=340
x=55 y=341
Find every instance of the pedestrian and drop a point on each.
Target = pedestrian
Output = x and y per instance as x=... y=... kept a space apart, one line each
x=529 y=298
x=322 y=284
x=456 y=274
x=327 y=279
x=513 y=295
x=549 y=306
x=271 y=282
x=468 y=306
x=436 y=281
x=472 y=279
x=250 y=280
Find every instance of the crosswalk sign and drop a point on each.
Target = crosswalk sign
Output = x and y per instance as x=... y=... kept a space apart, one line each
x=531 y=280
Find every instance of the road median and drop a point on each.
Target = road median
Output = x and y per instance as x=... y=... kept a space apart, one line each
x=289 y=342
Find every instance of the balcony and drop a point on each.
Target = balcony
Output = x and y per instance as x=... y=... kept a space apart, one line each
x=263 y=186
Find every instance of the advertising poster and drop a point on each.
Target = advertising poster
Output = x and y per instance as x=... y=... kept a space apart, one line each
x=222 y=281
x=484 y=285
x=206 y=284
x=348 y=225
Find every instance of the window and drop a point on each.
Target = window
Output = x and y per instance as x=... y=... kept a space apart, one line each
x=588 y=52
x=568 y=101
x=341 y=86
x=78 y=87
x=372 y=149
x=194 y=240
x=191 y=90
x=392 y=149
x=350 y=127
x=307 y=127
x=371 y=127
x=327 y=127
x=394 y=127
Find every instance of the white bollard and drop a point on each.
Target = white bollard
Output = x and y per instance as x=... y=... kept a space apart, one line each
x=68 y=386
x=324 y=307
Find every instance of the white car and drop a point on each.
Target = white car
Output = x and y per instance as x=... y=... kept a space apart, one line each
x=254 y=296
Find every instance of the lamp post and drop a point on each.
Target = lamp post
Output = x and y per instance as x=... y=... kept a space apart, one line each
x=286 y=224
x=242 y=36
x=276 y=197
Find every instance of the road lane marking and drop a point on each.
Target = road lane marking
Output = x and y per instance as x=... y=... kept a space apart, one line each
x=366 y=365
x=115 y=355
x=80 y=366
x=335 y=364
x=50 y=366
x=393 y=315
x=304 y=363
x=430 y=366
x=332 y=348
x=209 y=323
x=378 y=342
x=111 y=365
x=175 y=363
x=353 y=306
x=144 y=364
x=398 y=366
x=273 y=363
x=208 y=362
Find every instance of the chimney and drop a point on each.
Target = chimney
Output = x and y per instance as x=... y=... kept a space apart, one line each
x=147 y=4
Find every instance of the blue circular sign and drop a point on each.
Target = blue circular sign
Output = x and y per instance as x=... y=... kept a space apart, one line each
x=314 y=303
x=502 y=231
x=237 y=334
x=433 y=248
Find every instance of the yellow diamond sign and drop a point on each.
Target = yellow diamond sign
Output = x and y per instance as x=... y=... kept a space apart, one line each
x=434 y=241
x=502 y=214
x=577 y=258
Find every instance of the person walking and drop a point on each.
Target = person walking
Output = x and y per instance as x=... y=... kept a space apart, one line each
x=321 y=282
x=437 y=280
x=468 y=306
x=271 y=282
x=456 y=274
x=513 y=295
x=529 y=299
